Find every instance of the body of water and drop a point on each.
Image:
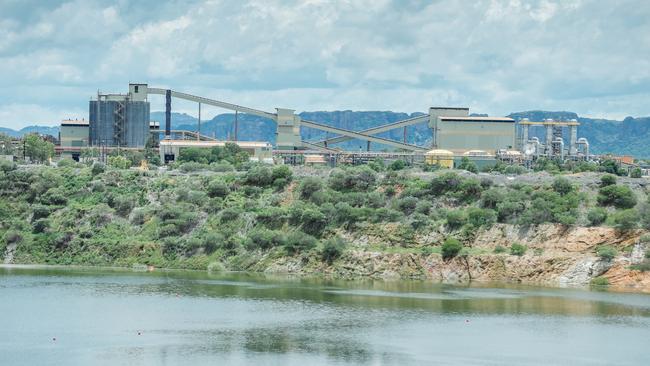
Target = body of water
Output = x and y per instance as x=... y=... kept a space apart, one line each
x=72 y=316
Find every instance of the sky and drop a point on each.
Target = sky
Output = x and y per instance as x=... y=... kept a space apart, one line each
x=591 y=57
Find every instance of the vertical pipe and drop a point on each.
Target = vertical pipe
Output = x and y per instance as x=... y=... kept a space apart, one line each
x=198 y=133
x=368 y=146
x=168 y=113
x=404 y=134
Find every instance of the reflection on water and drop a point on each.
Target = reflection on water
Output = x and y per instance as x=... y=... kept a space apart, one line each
x=121 y=317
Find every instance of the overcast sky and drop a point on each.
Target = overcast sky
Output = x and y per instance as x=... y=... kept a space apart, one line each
x=496 y=57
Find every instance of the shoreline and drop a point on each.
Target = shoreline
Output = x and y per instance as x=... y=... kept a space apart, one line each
x=321 y=276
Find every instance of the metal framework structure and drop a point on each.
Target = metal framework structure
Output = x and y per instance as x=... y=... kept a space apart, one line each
x=290 y=124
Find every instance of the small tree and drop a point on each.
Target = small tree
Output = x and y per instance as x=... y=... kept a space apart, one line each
x=607 y=180
x=518 y=249
x=332 y=249
x=450 y=248
x=625 y=220
x=636 y=173
x=562 y=185
x=606 y=252
x=597 y=216
x=119 y=162
x=617 y=196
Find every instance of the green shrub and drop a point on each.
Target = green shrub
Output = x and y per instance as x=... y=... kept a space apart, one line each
x=636 y=173
x=398 y=164
x=518 y=249
x=607 y=180
x=617 y=196
x=456 y=219
x=332 y=249
x=597 y=216
x=217 y=188
x=644 y=213
x=606 y=252
x=282 y=172
x=360 y=179
x=265 y=239
x=450 y=248
x=119 y=162
x=192 y=167
x=492 y=197
x=309 y=186
x=479 y=217
x=407 y=205
x=599 y=281
x=7 y=166
x=272 y=217
x=644 y=266
x=625 y=220
x=423 y=207
x=13 y=236
x=259 y=176
x=562 y=185
x=499 y=249
x=298 y=242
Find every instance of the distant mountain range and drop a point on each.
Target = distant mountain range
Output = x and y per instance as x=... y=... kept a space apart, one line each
x=630 y=136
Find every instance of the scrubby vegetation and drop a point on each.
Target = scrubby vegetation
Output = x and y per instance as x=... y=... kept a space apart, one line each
x=237 y=213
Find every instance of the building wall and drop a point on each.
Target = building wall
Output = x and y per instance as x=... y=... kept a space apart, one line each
x=102 y=120
x=74 y=136
x=459 y=137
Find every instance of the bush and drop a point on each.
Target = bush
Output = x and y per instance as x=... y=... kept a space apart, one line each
x=617 y=196
x=644 y=266
x=332 y=249
x=518 y=249
x=499 y=249
x=625 y=220
x=479 y=217
x=562 y=185
x=298 y=242
x=597 y=216
x=361 y=179
x=599 y=281
x=260 y=176
x=309 y=186
x=40 y=226
x=644 y=213
x=492 y=197
x=398 y=164
x=13 y=236
x=636 y=173
x=407 y=205
x=450 y=248
x=7 y=166
x=119 y=162
x=192 y=167
x=265 y=239
x=455 y=219
x=607 y=180
x=217 y=188
x=312 y=221
x=606 y=252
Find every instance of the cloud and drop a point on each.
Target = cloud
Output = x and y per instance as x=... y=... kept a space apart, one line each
x=493 y=56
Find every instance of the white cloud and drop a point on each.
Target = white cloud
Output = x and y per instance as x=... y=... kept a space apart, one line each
x=493 y=56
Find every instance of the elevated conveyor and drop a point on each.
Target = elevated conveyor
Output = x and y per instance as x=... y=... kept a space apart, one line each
x=378 y=129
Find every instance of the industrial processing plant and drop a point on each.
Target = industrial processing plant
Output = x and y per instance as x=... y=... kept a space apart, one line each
x=122 y=121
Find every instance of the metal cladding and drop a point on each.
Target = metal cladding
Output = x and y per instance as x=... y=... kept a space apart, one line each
x=168 y=112
x=118 y=121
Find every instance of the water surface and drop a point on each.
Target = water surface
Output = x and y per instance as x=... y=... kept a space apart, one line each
x=76 y=316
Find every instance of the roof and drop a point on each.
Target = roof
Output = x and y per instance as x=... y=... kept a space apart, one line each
x=74 y=123
x=477 y=119
x=439 y=152
x=191 y=143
